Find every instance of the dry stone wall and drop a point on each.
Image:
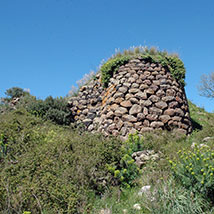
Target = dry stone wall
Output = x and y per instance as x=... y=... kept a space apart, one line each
x=141 y=96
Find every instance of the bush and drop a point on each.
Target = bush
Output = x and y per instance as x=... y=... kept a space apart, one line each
x=15 y=92
x=195 y=170
x=52 y=169
x=112 y=66
x=126 y=171
x=54 y=109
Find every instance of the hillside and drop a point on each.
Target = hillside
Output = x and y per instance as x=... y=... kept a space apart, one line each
x=50 y=168
x=128 y=141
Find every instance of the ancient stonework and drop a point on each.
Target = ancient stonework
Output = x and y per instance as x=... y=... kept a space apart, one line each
x=141 y=96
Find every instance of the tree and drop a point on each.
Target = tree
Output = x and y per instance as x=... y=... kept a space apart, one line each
x=206 y=86
x=15 y=92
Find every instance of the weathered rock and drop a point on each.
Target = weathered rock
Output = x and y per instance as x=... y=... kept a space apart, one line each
x=134 y=90
x=154 y=98
x=165 y=118
x=169 y=112
x=123 y=90
x=154 y=110
x=140 y=116
x=135 y=109
x=161 y=105
x=120 y=111
x=129 y=118
x=141 y=95
x=157 y=124
x=126 y=104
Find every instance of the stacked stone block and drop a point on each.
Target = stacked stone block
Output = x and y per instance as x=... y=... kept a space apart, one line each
x=141 y=96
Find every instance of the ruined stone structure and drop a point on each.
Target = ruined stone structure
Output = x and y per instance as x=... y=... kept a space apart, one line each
x=141 y=96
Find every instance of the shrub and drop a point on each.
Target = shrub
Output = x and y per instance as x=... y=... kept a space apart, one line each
x=112 y=66
x=3 y=146
x=54 y=109
x=15 y=92
x=52 y=169
x=126 y=171
x=195 y=170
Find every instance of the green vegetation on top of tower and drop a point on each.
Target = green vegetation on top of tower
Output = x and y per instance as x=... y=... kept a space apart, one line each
x=171 y=61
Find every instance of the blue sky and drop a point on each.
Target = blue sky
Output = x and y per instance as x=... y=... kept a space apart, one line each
x=47 y=45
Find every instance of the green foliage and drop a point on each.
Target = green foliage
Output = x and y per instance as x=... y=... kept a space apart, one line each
x=171 y=198
x=112 y=66
x=127 y=171
x=195 y=169
x=3 y=146
x=172 y=62
x=54 y=109
x=15 y=92
x=50 y=168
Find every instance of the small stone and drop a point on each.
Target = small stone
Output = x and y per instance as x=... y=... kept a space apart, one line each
x=165 y=118
x=149 y=91
x=91 y=127
x=176 y=118
x=154 y=98
x=87 y=122
x=125 y=211
x=137 y=207
x=155 y=110
x=118 y=94
x=114 y=107
x=206 y=139
x=157 y=124
x=141 y=95
x=135 y=85
x=120 y=111
x=168 y=98
x=85 y=111
x=126 y=84
x=129 y=118
x=161 y=105
x=160 y=93
x=118 y=100
x=110 y=115
x=138 y=125
x=133 y=90
x=140 y=116
x=170 y=92
x=123 y=90
x=115 y=133
x=128 y=96
x=143 y=86
x=152 y=117
x=134 y=100
x=145 y=111
x=169 y=112
x=144 y=190
x=126 y=103
x=131 y=80
x=111 y=128
x=173 y=104
x=135 y=109
x=124 y=131
x=146 y=129
x=180 y=131
x=145 y=102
